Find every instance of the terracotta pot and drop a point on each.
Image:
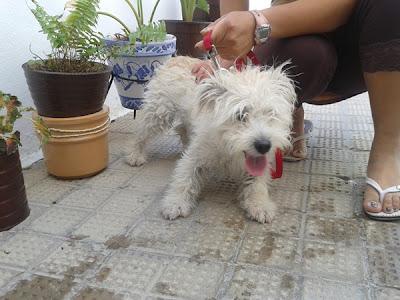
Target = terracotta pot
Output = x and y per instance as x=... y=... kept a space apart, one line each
x=187 y=35
x=64 y=95
x=78 y=147
x=13 y=203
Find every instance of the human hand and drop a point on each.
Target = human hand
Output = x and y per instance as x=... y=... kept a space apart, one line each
x=232 y=34
x=205 y=68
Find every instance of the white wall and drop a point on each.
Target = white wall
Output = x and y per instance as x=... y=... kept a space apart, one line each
x=19 y=31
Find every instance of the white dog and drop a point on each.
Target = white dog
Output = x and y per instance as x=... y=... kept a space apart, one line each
x=231 y=125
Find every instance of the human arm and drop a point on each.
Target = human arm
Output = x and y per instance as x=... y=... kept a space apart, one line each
x=233 y=34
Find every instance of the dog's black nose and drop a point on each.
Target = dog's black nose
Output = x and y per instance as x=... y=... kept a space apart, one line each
x=262 y=146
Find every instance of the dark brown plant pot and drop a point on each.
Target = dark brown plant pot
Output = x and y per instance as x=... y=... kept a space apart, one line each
x=213 y=14
x=64 y=95
x=13 y=203
x=187 y=35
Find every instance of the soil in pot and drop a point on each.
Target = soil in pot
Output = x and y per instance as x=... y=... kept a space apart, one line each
x=64 y=95
x=213 y=14
x=187 y=35
x=13 y=203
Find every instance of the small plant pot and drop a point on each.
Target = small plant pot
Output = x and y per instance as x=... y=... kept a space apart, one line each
x=13 y=203
x=78 y=147
x=65 y=95
x=133 y=72
x=187 y=35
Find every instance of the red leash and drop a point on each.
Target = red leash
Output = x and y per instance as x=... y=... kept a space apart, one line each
x=240 y=63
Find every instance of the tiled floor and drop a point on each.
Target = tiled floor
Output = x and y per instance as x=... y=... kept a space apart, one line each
x=103 y=237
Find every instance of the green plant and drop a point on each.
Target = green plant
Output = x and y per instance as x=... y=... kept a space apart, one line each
x=74 y=42
x=145 y=33
x=10 y=111
x=188 y=7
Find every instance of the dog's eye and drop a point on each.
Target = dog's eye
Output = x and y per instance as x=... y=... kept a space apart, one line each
x=242 y=116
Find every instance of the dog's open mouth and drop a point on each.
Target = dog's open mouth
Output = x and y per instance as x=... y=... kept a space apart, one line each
x=255 y=165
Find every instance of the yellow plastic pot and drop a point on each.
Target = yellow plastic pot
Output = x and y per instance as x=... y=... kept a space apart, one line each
x=78 y=146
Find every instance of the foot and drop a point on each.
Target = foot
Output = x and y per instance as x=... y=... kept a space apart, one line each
x=299 y=147
x=174 y=207
x=136 y=159
x=384 y=168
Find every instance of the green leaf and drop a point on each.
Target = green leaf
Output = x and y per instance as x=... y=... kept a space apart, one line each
x=203 y=5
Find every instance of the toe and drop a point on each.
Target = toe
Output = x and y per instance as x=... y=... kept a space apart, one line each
x=371 y=201
x=396 y=202
x=388 y=204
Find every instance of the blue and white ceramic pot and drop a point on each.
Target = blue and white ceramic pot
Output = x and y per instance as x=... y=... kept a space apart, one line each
x=133 y=71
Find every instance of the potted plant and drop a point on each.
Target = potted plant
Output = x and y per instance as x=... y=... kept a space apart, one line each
x=69 y=88
x=187 y=30
x=135 y=54
x=70 y=81
x=13 y=203
x=213 y=14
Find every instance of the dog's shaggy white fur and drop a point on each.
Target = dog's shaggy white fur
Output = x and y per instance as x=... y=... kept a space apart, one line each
x=231 y=125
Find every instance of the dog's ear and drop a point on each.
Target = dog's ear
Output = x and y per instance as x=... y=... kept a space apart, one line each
x=210 y=92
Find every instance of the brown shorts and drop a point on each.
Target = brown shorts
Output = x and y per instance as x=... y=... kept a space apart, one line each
x=334 y=63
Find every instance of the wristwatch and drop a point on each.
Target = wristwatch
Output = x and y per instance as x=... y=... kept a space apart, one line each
x=263 y=28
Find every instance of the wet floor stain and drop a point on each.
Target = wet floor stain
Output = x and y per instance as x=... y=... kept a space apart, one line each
x=165 y=289
x=118 y=242
x=311 y=253
x=287 y=282
x=103 y=274
x=90 y=293
x=41 y=287
x=268 y=248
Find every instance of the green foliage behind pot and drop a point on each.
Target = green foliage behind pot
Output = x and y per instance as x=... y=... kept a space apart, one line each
x=75 y=43
x=145 y=33
x=188 y=7
x=10 y=111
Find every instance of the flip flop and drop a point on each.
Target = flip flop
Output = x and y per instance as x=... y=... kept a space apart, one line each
x=381 y=216
x=308 y=127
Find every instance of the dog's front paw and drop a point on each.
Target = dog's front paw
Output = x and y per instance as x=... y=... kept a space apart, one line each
x=135 y=159
x=172 y=209
x=261 y=212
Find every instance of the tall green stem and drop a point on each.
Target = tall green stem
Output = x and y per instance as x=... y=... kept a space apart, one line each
x=134 y=12
x=126 y=29
x=153 y=12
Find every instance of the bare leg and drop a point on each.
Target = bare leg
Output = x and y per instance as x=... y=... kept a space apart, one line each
x=299 y=148
x=384 y=160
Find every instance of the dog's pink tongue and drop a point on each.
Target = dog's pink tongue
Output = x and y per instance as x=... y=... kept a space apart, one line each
x=255 y=165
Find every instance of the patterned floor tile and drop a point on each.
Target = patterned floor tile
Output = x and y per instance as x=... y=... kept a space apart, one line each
x=86 y=197
x=322 y=289
x=158 y=234
x=331 y=168
x=382 y=235
x=286 y=224
x=189 y=279
x=71 y=258
x=109 y=179
x=321 y=183
x=327 y=154
x=209 y=242
x=102 y=226
x=130 y=272
x=338 y=231
x=33 y=175
x=224 y=215
x=91 y=293
x=292 y=181
x=6 y=275
x=36 y=212
x=287 y=199
x=328 y=133
x=269 y=250
x=248 y=283
x=387 y=293
x=297 y=167
x=385 y=267
x=127 y=202
x=47 y=192
x=333 y=261
x=361 y=145
x=25 y=249
x=330 y=204
x=320 y=142
x=59 y=220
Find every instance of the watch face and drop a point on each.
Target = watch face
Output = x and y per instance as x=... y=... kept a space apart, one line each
x=263 y=32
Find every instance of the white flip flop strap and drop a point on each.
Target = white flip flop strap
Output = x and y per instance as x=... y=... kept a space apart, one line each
x=299 y=138
x=378 y=188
